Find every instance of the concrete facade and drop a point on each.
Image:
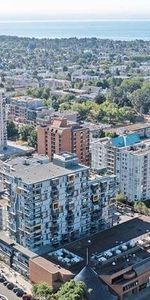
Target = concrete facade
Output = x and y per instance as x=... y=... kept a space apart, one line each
x=51 y=203
x=3 y=125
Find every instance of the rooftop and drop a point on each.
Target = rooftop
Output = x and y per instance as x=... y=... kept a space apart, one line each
x=50 y=267
x=32 y=170
x=126 y=140
x=128 y=128
x=8 y=241
x=98 y=289
x=103 y=241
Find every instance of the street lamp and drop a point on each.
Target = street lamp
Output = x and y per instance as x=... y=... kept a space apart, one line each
x=87 y=252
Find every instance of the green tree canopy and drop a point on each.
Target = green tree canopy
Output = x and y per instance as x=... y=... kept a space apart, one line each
x=42 y=290
x=12 y=131
x=71 y=290
x=120 y=197
x=28 y=134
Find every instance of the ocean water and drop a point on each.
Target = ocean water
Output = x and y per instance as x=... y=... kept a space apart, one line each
x=116 y=30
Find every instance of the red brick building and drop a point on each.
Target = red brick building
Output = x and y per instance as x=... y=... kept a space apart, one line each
x=62 y=136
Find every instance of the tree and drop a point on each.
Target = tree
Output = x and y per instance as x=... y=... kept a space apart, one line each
x=140 y=98
x=71 y=290
x=42 y=290
x=32 y=139
x=132 y=84
x=100 y=98
x=65 y=68
x=111 y=134
x=25 y=131
x=120 y=197
x=140 y=207
x=12 y=131
x=48 y=103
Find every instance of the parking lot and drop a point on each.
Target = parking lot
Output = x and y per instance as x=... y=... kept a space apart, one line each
x=9 y=294
x=15 y=278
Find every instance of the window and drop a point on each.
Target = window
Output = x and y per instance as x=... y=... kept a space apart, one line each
x=55 y=205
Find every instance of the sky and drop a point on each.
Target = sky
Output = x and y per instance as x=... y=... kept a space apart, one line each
x=70 y=9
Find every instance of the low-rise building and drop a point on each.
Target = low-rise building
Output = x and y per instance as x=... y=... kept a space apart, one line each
x=16 y=256
x=20 y=82
x=117 y=261
x=56 y=83
x=25 y=109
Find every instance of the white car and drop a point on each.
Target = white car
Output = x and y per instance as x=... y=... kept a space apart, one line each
x=3 y=297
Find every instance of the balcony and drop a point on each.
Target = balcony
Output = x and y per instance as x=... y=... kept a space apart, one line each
x=70 y=228
x=71 y=179
x=70 y=191
x=95 y=198
x=54 y=228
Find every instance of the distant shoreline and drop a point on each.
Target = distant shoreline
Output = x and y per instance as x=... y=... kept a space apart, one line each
x=113 y=29
x=73 y=20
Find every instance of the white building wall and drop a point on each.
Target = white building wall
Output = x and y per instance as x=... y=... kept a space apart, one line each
x=3 y=125
x=133 y=175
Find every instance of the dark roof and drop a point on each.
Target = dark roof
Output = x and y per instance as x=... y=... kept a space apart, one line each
x=99 y=291
x=142 y=267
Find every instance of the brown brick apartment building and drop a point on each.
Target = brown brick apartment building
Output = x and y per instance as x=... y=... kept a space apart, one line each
x=62 y=136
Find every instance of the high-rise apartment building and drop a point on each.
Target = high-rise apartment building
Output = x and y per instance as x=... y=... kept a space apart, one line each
x=133 y=172
x=3 y=125
x=105 y=151
x=55 y=202
x=61 y=136
x=128 y=157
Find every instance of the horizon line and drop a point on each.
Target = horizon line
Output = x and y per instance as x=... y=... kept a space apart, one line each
x=76 y=20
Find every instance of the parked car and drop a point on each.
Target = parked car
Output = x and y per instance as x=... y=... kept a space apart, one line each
x=3 y=297
x=10 y=285
x=20 y=293
x=2 y=279
x=5 y=282
x=15 y=289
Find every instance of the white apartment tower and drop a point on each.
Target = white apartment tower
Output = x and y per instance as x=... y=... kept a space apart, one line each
x=128 y=157
x=3 y=125
x=133 y=172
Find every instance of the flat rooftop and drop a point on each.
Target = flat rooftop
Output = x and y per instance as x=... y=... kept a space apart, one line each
x=4 y=238
x=136 y=256
x=102 y=241
x=128 y=128
x=32 y=170
x=15 y=149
